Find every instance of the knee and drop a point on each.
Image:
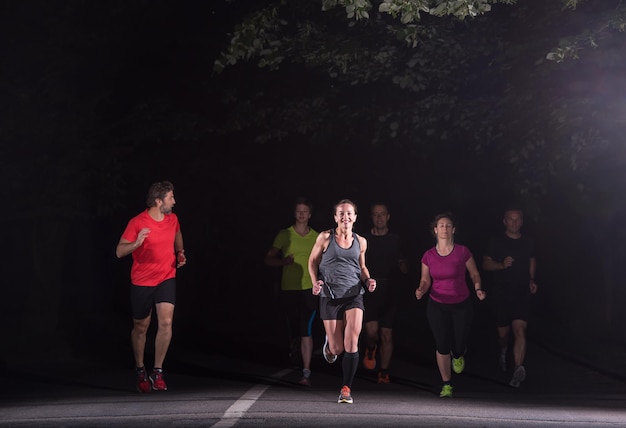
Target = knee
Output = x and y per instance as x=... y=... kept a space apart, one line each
x=371 y=328
x=165 y=323
x=336 y=348
x=519 y=331
x=385 y=335
x=140 y=327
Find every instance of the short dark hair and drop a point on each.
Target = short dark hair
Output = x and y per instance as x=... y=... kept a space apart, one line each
x=513 y=208
x=158 y=190
x=380 y=204
x=303 y=201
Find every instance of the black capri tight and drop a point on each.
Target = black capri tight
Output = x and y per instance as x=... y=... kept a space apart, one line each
x=450 y=324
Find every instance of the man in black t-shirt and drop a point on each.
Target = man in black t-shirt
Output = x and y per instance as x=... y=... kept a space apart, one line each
x=384 y=260
x=511 y=258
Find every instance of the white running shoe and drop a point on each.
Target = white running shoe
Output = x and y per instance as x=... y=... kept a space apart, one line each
x=326 y=351
x=518 y=376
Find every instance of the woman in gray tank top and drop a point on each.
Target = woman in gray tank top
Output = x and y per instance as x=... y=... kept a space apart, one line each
x=338 y=272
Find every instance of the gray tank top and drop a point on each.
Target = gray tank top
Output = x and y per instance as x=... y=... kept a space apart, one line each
x=340 y=269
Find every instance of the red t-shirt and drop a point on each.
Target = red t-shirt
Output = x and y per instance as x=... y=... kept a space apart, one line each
x=154 y=261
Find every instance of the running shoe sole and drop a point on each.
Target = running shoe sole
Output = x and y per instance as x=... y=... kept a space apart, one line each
x=345 y=396
x=326 y=352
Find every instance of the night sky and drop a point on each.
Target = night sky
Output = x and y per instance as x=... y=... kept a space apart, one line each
x=100 y=99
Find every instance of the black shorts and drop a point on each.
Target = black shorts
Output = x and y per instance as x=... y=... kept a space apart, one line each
x=142 y=298
x=334 y=309
x=380 y=305
x=300 y=307
x=508 y=308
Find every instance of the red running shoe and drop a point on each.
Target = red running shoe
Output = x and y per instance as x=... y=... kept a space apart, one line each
x=143 y=384
x=158 y=383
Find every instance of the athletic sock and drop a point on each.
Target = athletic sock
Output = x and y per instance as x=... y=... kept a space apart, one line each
x=349 y=363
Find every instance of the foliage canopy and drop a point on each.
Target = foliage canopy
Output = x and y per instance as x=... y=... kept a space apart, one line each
x=479 y=78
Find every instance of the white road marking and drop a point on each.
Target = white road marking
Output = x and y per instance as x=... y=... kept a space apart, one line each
x=239 y=408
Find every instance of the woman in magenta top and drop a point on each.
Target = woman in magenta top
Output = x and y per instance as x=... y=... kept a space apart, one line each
x=449 y=310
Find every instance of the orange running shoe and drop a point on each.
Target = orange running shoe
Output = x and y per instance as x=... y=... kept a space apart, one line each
x=345 y=395
x=369 y=360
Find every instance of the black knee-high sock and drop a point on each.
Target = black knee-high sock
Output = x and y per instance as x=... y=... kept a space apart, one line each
x=349 y=363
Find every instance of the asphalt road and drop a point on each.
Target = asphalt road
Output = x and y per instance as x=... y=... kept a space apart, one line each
x=248 y=381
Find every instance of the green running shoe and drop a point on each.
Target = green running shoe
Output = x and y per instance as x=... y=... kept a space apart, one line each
x=446 y=391
x=458 y=364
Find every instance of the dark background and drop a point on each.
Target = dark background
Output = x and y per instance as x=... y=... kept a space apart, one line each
x=99 y=100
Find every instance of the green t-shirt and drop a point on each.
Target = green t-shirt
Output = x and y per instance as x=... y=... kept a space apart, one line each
x=296 y=276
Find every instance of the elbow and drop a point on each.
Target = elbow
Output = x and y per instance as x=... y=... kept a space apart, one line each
x=119 y=253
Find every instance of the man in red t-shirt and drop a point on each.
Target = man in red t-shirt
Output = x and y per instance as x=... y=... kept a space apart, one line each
x=156 y=243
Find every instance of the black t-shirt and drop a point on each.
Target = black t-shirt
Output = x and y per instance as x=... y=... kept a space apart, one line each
x=383 y=254
x=517 y=277
x=381 y=258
